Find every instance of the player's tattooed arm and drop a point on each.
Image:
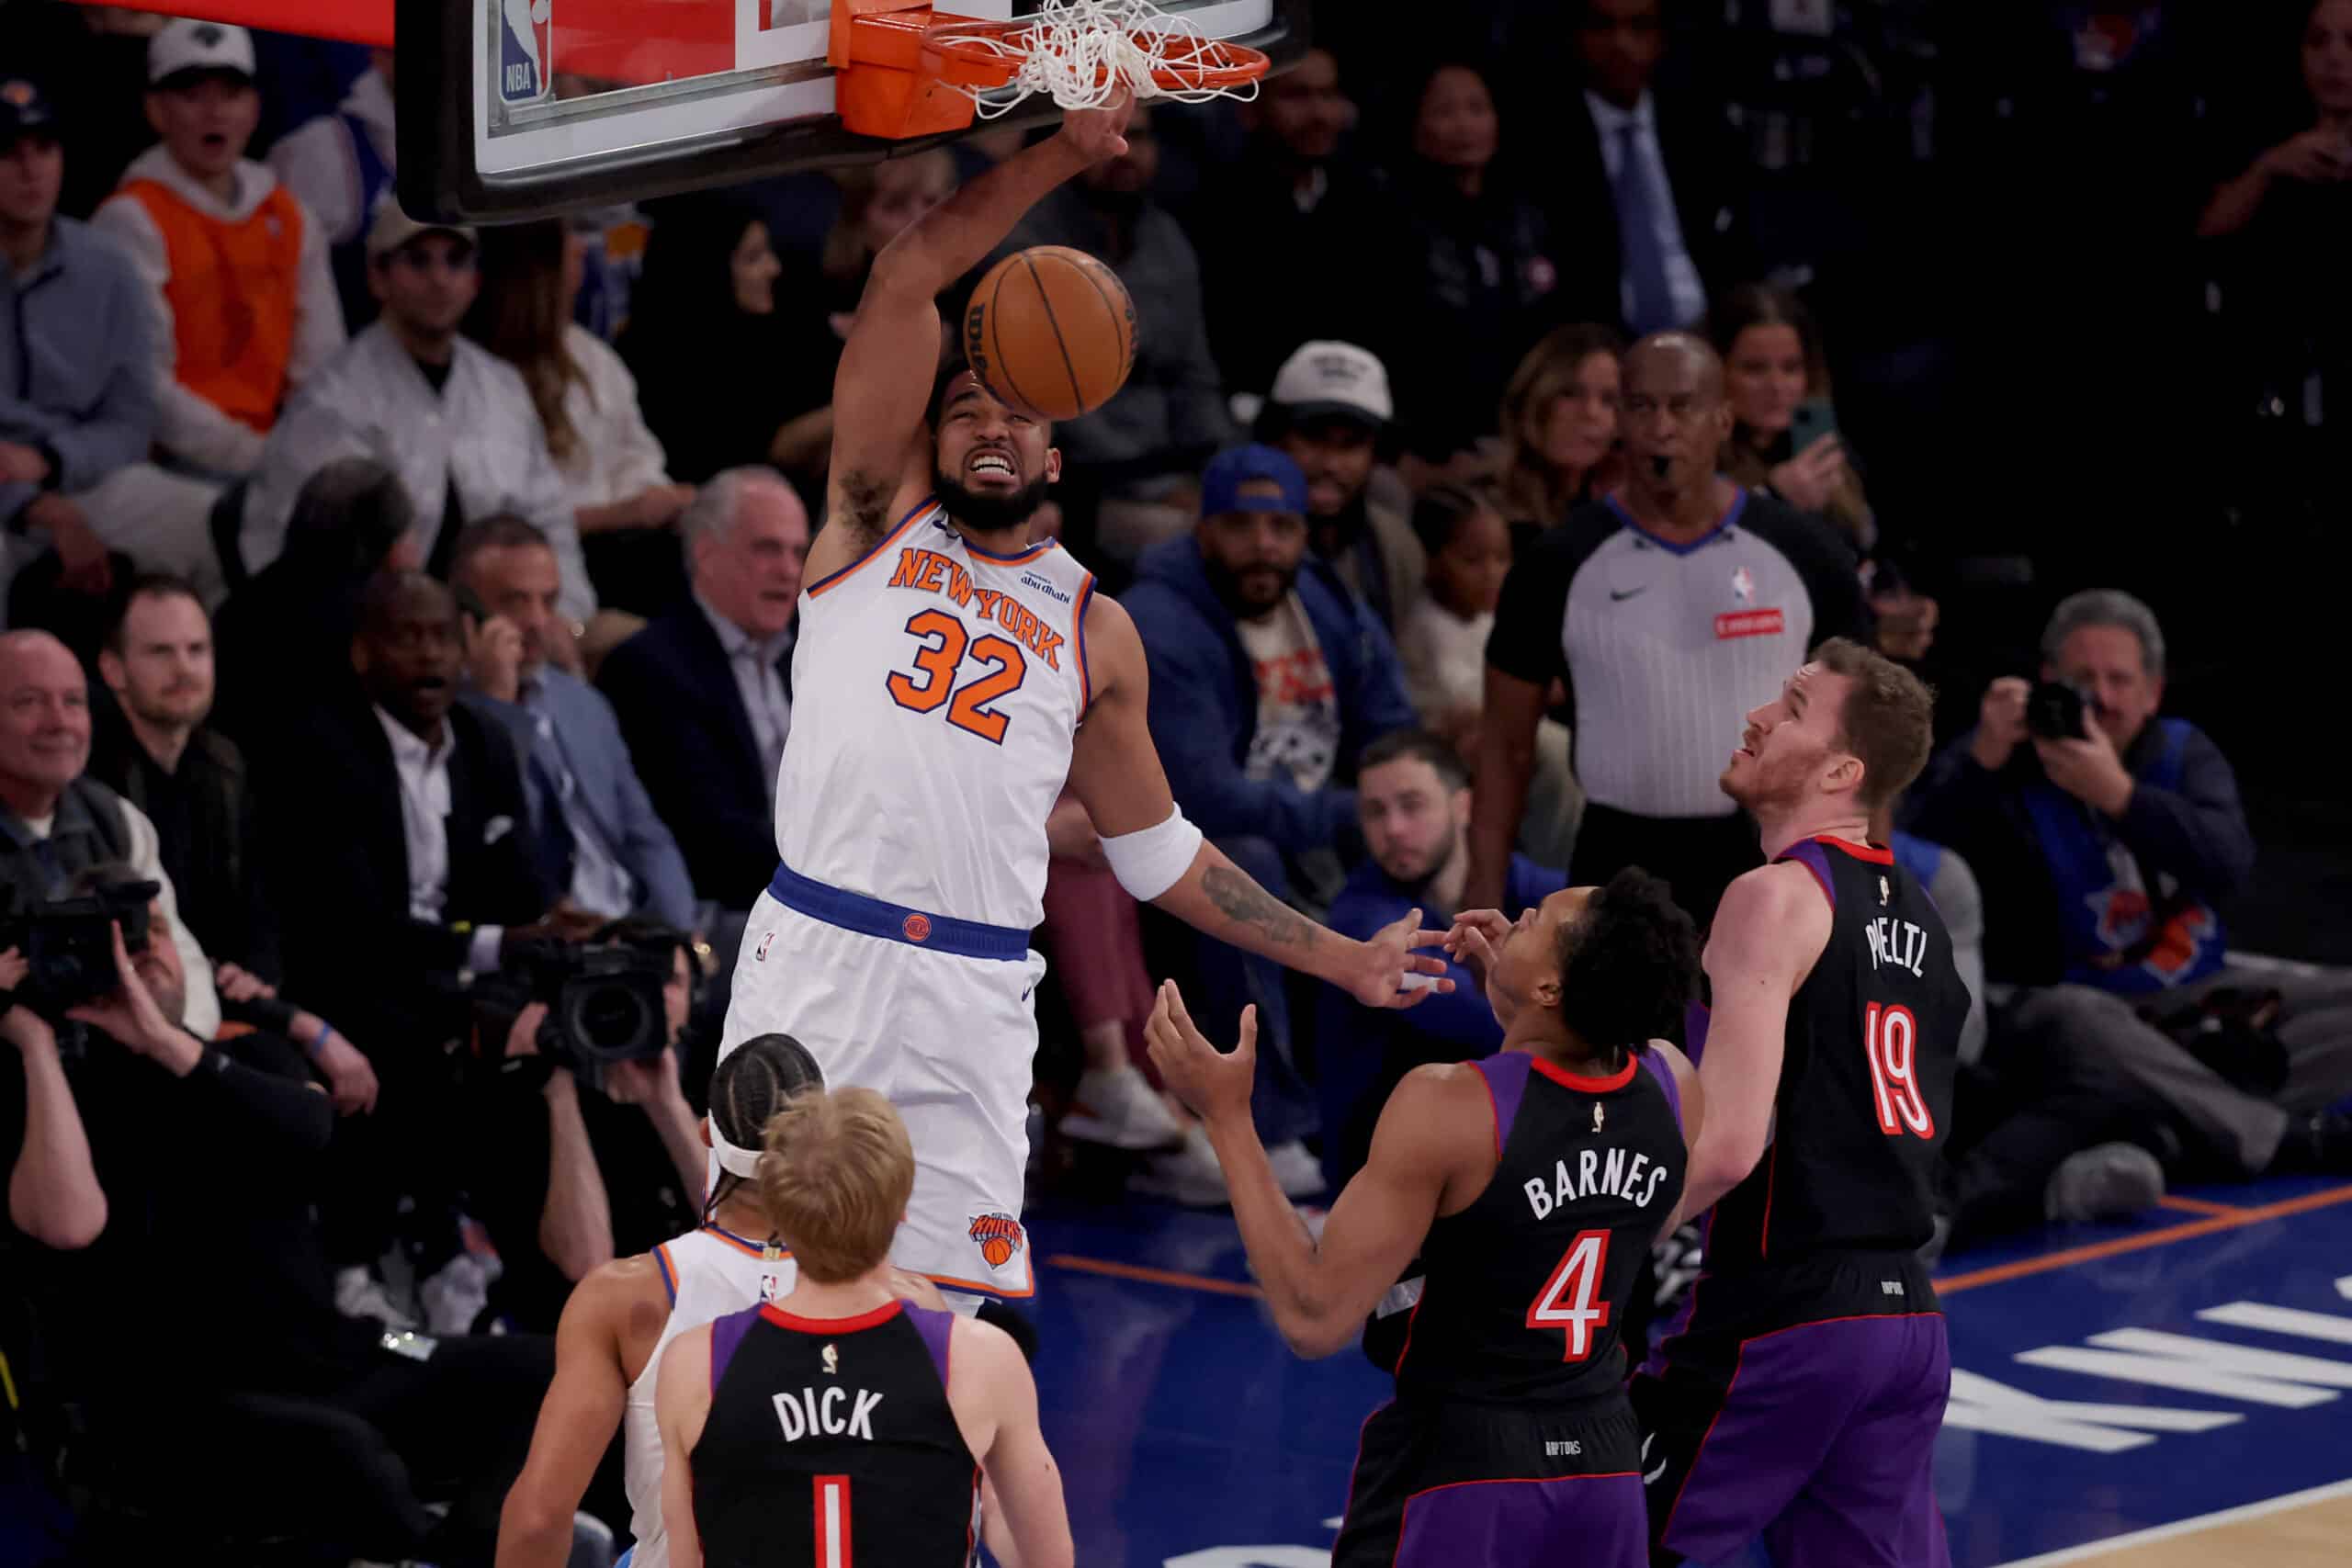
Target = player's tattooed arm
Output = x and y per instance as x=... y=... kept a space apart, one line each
x=1243 y=902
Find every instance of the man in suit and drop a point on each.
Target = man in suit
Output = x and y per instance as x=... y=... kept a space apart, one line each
x=1649 y=178
x=593 y=826
x=704 y=694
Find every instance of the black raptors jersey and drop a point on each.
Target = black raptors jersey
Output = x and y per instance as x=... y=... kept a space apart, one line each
x=1866 y=1079
x=830 y=1442
x=1522 y=1290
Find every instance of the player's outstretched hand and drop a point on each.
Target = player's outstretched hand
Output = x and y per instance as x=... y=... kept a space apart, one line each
x=1100 y=134
x=1392 y=974
x=1215 y=1084
x=1474 y=943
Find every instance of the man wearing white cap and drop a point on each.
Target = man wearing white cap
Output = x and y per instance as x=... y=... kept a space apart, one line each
x=1327 y=411
x=244 y=300
x=454 y=421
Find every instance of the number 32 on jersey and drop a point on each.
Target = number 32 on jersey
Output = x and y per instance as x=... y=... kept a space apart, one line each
x=942 y=642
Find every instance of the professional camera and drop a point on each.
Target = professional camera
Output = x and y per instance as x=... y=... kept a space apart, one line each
x=69 y=943
x=605 y=1004
x=2055 y=711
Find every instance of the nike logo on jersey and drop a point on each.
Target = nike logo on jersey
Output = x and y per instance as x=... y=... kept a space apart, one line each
x=931 y=572
x=806 y=1413
x=1617 y=598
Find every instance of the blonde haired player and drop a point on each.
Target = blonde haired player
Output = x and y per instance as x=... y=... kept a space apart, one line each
x=949 y=677
x=841 y=1424
x=621 y=1316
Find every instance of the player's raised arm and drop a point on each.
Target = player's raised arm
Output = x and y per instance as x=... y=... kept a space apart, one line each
x=1161 y=859
x=885 y=377
x=1322 y=1292
x=1771 y=927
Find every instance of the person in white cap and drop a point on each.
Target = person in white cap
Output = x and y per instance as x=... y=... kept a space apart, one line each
x=1327 y=412
x=244 y=301
x=454 y=421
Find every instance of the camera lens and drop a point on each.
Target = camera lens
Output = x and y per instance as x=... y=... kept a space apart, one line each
x=612 y=1020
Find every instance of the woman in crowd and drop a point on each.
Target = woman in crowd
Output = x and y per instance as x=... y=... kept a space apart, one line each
x=1559 y=428
x=1475 y=278
x=613 y=468
x=704 y=309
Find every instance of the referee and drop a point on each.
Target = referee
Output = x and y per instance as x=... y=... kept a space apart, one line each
x=1671 y=607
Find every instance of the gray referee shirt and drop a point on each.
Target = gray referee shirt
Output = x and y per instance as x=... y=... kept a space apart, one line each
x=1666 y=647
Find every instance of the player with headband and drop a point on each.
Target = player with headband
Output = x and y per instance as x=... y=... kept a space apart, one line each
x=949 y=678
x=609 y=1342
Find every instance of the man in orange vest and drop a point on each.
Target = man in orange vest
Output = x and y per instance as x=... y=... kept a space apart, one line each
x=244 y=298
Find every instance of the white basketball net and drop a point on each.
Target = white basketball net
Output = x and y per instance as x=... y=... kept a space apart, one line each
x=1084 y=53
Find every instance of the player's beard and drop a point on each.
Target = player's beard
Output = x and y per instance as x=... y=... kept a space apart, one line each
x=990 y=513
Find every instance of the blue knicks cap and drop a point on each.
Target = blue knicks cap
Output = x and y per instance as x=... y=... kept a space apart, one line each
x=1229 y=471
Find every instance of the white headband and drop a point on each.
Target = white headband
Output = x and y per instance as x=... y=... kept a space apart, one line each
x=734 y=1158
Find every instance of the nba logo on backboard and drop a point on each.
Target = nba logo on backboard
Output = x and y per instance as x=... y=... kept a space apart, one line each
x=526 y=50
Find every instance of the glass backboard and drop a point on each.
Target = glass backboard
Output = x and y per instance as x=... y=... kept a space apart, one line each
x=521 y=109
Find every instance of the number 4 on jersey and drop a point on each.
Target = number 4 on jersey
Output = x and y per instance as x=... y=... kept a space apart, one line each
x=1571 y=1298
x=1891 y=1040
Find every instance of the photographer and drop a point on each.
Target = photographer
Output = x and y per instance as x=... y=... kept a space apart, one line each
x=2103 y=838
x=613 y=1164
x=139 y=1143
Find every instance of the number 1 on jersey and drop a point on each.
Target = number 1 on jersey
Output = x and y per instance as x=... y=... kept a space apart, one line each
x=1571 y=1298
x=1891 y=1040
x=832 y=1521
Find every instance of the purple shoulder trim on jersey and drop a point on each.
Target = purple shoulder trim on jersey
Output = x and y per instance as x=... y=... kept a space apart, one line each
x=1506 y=1074
x=933 y=1327
x=1814 y=858
x=1695 y=1019
x=726 y=1334
x=1665 y=1075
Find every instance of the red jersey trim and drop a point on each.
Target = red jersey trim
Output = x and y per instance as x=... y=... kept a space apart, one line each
x=864 y=1320
x=1876 y=854
x=1567 y=1079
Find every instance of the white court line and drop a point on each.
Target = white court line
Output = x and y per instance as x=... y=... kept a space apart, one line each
x=2096 y=1549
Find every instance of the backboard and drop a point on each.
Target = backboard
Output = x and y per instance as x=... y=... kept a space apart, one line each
x=521 y=109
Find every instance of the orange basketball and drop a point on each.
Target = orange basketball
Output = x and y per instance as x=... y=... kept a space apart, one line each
x=998 y=1251
x=1052 y=331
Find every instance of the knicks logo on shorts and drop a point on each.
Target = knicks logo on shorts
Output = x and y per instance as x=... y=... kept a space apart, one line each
x=998 y=1237
x=917 y=927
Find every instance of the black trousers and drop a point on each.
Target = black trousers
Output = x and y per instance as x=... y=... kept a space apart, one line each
x=1696 y=856
x=352 y=1467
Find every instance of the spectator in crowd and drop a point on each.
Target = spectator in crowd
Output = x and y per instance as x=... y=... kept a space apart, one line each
x=282 y=644
x=409 y=809
x=1671 y=608
x=78 y=408
x=595 y=828
x=704 y=694
x=1268 y=681
x=1293 y=195
x=1328 y=409
x=815 y=304
x=1774 y=365
x=157 y=752
x=1478 y=273
x=339 y=166
x=295 y=1420
x=2106 y=844
x=454 y=421
x=1413 y=794
x=1444 y=641
x=1647 y=179
x=101 y=51
x=709 y=278
x=1559 y=428
x=1144 y=447
x=613 y=478
x=55 y=820
x=2318 y=156
x=242 y=299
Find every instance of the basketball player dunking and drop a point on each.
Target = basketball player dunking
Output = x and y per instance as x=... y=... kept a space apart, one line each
x=840 y=1425
x=1529 y=1185
x=951 y=676
x=1800 y=1402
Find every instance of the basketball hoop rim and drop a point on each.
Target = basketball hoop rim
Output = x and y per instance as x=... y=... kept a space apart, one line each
x=981 y=55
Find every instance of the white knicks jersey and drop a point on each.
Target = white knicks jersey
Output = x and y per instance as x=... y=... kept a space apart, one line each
x=707 y=1273
x=936 y=691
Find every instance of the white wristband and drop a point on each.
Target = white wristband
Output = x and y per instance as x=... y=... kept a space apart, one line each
x=1151 y=863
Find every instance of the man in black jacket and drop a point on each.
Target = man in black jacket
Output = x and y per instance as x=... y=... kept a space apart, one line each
x=2106 y=839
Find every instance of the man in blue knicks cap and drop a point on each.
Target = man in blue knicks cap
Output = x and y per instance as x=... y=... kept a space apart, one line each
x=1268 y=681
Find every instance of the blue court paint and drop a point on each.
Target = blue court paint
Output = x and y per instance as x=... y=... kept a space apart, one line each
x=1189 y=1436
